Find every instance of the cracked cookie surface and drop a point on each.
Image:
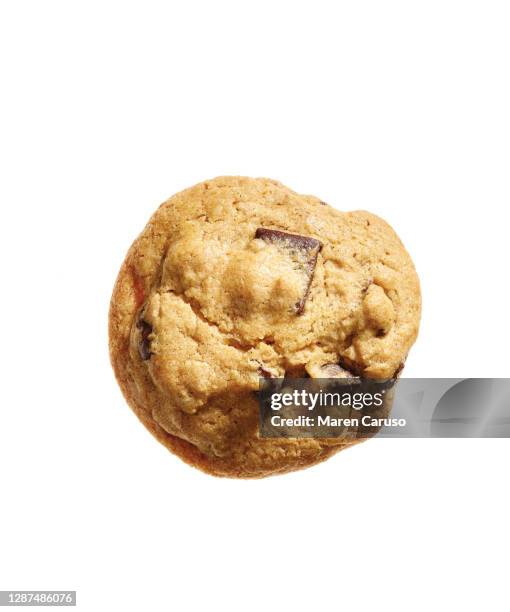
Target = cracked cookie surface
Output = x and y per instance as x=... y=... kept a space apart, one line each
x=238 y=278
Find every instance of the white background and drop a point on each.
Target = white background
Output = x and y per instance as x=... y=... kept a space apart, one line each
x=401 y=108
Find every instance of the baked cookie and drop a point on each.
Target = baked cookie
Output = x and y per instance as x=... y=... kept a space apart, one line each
x=238 y=278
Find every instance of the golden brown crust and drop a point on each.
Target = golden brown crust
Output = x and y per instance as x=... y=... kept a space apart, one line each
x=216 y=300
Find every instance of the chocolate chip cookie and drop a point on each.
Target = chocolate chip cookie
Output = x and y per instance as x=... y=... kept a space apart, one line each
x=239 y=278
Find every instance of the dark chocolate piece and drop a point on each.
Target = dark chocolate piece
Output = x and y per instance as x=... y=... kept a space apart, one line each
x=334 y=370
x=398 y=371
x=263 y=373
x=290 y=241
x=341 y=370
x=144 y=346
x=295 y=244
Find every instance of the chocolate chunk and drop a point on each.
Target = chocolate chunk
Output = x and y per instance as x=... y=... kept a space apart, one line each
x=341 y=376
x=144 y=346
x=303 y=250
x=353 y=372
x=263 y=373
x=290 y=241
x=398 y=371
x=333 y=370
